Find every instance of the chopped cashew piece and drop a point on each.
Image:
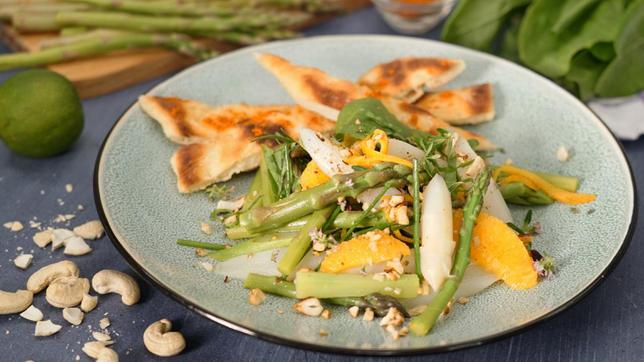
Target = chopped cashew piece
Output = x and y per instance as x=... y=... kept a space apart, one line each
x=256 y=296
x=11 y=303
x=206 y=229
x=46 y=328
x=45 y=275
x=23 y=261
x=43 y=238
x=310 y=307
x=90 y=230
x=368 y=315
x=353 y=311
x=76 y=246
x=88 y=303
x=32 y=313
x=563 y=154
x=101 y=337
x=104 y=323
x=112 y=281
x=58 y=238
x=107 y=355
x=160 y=341
x=66 y=291
x=14 y=226
x=73 y=315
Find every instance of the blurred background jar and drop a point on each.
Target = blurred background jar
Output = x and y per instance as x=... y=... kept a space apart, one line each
x=413 y=16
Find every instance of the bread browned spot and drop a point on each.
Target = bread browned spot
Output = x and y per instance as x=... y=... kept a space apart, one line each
x=468 y=105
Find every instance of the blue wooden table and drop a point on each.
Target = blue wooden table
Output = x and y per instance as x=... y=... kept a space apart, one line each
x=608 y=325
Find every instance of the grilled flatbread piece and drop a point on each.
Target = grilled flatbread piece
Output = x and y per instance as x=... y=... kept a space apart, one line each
x=420 y=119
x=218 y=141
x=312 y=88
x=302 y=82
x=468 y=105
x=406 y=78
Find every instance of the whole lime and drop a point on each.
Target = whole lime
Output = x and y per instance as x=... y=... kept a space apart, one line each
x=40 y=113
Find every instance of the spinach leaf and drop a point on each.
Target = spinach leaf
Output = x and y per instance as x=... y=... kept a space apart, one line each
x=571 y=11
x=509 y=48
x=358 y=119
x=585 y=69
x=604 y=51
x=476 y=23
x=625 y=74
x=551 y=53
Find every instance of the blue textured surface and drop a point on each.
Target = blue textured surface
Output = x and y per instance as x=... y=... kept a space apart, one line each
x=605 y=326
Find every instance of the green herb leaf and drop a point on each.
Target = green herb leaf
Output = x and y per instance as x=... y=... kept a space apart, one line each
x=217 y=191
x=585 y=70
x=551 y=52
x=475 y=24
x=625 y=74
x=358 y=119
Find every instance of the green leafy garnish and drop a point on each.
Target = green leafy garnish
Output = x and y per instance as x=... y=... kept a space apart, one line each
x=217 y=191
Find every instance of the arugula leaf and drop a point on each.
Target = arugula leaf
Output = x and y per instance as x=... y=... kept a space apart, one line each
x=551 y=53
x=358 y=119
x=475 y=23
x=585 y=70
x=625 y=74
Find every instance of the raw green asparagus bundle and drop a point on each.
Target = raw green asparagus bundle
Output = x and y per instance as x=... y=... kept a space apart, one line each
x=237 y=22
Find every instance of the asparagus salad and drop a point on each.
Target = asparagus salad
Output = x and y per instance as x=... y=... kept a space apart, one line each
x=380 y=217
x=363 y=198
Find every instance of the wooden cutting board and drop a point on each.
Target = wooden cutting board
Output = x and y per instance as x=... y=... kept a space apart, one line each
x=104 y=74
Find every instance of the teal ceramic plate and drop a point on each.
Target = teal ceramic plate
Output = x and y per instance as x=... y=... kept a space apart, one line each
x=144 y=213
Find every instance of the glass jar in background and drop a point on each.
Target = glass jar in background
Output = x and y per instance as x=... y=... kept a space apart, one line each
x=413 y=16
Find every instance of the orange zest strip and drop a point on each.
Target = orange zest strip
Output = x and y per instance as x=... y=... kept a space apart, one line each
x=561 y=195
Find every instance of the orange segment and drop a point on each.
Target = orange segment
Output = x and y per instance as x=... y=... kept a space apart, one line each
x=498 y=249
x=370 y=248
x=312 y=176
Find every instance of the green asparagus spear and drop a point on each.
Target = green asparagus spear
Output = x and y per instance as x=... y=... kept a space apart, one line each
x=379 y=303
x=327 y=285
x=200 y=244
x=344 y=220
x=254 y=245
x=254 y=193
x=171 y=24
x=422 y=324
x=28 y=22
x=272 y=285
x=416 y=186
x=7 y=11
x=568 y=183
x=102 y=45
x=520 y=194
x=304 y=202
x=302 y=241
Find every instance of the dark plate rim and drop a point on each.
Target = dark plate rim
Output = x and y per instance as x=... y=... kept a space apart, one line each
x=355 y=351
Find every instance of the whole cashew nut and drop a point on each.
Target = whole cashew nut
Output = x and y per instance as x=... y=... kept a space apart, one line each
x=159 y=340
x=45 y=275
x=66 y=292
x=112 y=281
x=93 y=348
x=107 y=355
x=17 y=302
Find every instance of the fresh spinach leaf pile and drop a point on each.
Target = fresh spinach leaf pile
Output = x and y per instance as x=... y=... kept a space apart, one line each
x=595 y=48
